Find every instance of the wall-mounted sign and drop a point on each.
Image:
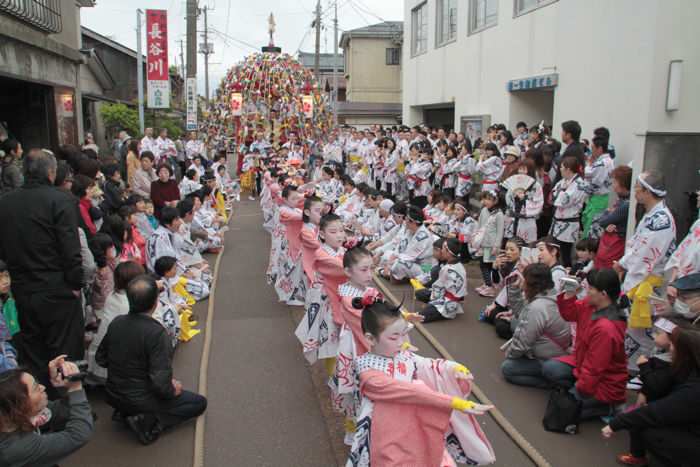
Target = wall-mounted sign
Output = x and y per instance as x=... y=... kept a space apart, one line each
x=533 y=82
x=191 y=103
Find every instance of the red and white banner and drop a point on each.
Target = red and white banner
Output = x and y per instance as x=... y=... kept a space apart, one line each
x=158 y=79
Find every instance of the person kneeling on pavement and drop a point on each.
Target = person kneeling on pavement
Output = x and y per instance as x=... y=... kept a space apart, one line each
x=137 y=352
x=34 y=431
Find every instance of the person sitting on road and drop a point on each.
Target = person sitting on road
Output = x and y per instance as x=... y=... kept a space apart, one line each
x=137 y=353
x=427 y=279
x=596 y=372
x=540 y=332
x=25 y=413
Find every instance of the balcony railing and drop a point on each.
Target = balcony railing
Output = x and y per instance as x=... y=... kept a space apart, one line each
x=41 y=14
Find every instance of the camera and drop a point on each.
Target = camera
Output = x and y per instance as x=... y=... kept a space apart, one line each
x=570 y=284
x=82 y=368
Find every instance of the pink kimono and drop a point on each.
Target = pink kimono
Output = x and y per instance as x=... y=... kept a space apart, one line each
x=289 y=283
x=406 y=416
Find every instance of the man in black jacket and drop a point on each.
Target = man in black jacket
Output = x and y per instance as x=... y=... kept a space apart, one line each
x=138 y=356
x=40 y=244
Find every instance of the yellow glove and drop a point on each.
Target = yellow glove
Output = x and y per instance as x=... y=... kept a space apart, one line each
x=461 y=404
x=461 y=369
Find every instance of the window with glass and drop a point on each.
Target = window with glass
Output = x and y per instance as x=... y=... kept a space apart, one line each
x=525 y=6
x=446 y=21
x=393 y=56
x=482 y=14
x=419 y=29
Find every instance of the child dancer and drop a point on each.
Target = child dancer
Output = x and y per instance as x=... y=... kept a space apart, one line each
x=466 y=170
x=490 y=166
x=491 y=230
x=289 y=284
x=400 y=390
x=319 y=328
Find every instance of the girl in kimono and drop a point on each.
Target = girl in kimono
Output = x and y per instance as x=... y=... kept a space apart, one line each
x=569 y=195
x=524 y=208
x=289 y=284
x=400 y=390
x=357 y=265
x=490 y=166
x=311 y=332
x=466 y=169
x=450 y=288
x=277 y=230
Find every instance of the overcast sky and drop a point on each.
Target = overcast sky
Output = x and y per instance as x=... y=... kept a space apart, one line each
x=244 y=22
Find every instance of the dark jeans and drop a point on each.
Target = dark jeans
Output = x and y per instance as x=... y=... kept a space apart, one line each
x=169 y=413
x=560 y=374
x=524 y=372
x=670 y=446
x=423 y=295
x=430 y=313
x=52 y=324
x=486 y=272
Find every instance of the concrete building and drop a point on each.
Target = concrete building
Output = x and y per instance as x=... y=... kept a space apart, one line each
x=373 y=75
x=40 y=59
x=632 y=67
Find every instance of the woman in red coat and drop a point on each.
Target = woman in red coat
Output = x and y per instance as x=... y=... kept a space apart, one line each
x=596 y=372
x=164 y=191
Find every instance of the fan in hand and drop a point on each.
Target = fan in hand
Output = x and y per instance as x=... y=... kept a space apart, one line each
x=518 y=183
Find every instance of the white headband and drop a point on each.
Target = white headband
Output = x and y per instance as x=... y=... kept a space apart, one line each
x=656 y=191
x=665 y=325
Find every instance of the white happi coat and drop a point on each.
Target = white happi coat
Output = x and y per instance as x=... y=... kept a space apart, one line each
x=491 y=170
x=569 y=197
x=419 y=252
x=527 y=214
x=467 y=168
x=449 y=290
x=160 y=244
x=333 y=152
x=417 y=177
x=148 y=144
x=330 y=190
x=597 y=175
x=390 y=165
x=194 y=147
x=449 y=172
x=686 y=258
x=164 y=148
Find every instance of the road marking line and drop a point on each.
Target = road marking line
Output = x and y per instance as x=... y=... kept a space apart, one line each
x=496 y=414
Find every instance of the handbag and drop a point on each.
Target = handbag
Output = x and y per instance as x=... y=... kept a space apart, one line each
x=563 y=412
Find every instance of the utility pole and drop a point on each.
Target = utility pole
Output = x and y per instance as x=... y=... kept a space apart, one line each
x=206 y=51
x=139 y=68
x=335 y=66
x=317 y=58
x=182 y=59
x=191 y=38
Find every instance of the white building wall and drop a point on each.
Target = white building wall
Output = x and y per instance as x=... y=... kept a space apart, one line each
x=611 y=56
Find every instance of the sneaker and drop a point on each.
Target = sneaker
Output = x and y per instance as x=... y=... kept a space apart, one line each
x=635 y=384
x=349 y=437
x=252 y=198
x=487 y=292
x=629 y=459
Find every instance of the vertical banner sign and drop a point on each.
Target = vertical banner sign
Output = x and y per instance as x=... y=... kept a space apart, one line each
x=236 y=104
x=307 y=104
x=191 y=90
x=157 y=76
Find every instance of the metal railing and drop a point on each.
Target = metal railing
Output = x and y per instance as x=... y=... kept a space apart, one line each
x=41 y=14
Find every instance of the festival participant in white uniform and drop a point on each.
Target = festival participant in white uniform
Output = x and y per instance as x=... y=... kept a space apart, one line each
x=686 y=259
x=164 y=148
x=417 y=176
x=643 y=264
x=568 y=196
x=490 y=166
x=524 y=206
x=148 y=142
x=419 y=251
x=448 y=291
x=333 y=151
x=598 y=182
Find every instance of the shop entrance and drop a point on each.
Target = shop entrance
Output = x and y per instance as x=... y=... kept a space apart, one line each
x=28 y=113
x=531 y=107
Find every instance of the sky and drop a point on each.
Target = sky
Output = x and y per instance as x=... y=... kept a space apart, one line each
x=238 y=25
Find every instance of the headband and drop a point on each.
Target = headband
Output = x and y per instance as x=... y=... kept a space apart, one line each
x=553 y=245
x=665 y=325
x=656 y=191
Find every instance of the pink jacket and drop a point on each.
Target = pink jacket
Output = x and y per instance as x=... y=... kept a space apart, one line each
x=309 y=245
x=291 y=218
x=331 y=268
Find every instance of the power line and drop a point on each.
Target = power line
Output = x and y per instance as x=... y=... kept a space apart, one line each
x=228 y=17
x=364 y=8
x=234 y=39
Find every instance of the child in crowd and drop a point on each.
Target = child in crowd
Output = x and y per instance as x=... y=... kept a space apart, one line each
x=105 y=254
x=490 y=235
x=490 y=166
x=150 y=214
x=450 y=288
x=423 y=283
x=9 y=324
x=586 y=250
x=289 y=283
x=170 y=301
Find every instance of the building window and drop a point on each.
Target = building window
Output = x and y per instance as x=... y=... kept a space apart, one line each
x=525 y=6
x=446 y=22
x=419 y=29
x=393 y=56
x=482 y=14
x=42 y=14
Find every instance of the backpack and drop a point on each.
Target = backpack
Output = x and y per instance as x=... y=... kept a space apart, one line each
x=563 y=412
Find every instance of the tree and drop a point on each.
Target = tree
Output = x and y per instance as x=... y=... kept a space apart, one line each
x=120 y=117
